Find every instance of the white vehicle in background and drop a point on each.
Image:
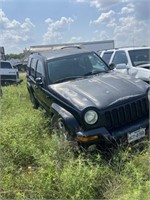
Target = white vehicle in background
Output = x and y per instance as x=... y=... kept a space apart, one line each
x=8 y=75
x=134 y=61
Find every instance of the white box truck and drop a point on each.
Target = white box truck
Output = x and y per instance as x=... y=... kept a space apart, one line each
x=96 y=46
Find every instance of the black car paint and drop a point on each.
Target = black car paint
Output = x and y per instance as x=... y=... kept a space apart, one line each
x=99 y=91
x=80 y=95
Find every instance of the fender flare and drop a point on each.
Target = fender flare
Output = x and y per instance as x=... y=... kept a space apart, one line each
x=30 y=89
x=69 y=120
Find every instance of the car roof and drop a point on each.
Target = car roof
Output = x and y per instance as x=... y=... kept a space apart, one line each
x=126 y=48
x=52 y=54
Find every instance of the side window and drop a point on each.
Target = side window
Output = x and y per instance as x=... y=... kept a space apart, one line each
x=28 y=65
x=106 y=56
x=120 y=57
x=39 y=69
x=29 y=62
x=32 y=67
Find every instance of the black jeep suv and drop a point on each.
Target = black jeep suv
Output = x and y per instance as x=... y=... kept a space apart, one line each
x=86 y=100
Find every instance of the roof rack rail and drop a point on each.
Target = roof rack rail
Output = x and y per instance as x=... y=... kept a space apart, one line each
x=35 y=52
x=72 y=46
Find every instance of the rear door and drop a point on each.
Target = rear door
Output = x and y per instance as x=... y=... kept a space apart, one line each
x=42 y=93
x=31 y=75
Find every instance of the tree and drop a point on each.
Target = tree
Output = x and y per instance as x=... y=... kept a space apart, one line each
x=15 y=56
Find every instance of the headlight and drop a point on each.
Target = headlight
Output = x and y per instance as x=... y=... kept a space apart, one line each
x=91 y=117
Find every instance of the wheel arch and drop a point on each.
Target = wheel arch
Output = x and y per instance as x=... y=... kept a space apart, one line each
x=35 y=104
x=30 y=89
x=69 y=120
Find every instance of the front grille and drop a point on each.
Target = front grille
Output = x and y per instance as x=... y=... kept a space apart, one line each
x=8 y=77
x=120 y=116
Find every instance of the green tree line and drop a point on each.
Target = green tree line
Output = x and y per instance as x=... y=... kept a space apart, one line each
x=15 y=56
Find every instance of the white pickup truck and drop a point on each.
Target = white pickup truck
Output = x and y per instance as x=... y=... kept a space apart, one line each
x=134 y=61
x=8 y=75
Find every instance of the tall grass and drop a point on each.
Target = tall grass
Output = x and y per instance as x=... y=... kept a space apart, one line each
x=35 y=165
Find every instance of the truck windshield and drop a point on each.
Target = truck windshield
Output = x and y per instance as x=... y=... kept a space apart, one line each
x=5 y=65
x=140 y=56
x=78 y=66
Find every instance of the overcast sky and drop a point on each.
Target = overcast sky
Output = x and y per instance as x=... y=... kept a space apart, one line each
x=24 y=23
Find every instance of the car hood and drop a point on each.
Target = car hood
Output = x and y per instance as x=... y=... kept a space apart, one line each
x=142 y=72
x=99 y=91
x=146 y=66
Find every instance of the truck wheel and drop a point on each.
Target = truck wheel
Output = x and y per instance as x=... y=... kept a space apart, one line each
x=59 y=127
x=34 y=102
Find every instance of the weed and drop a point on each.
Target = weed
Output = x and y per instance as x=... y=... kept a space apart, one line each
x=35 y=165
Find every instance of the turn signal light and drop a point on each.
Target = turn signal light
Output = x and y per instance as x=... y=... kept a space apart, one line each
x=87 y=139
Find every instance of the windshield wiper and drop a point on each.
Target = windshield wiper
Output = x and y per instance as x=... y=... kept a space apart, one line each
x=67 y=79
x=94 y=72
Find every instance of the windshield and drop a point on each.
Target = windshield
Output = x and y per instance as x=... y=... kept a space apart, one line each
x=140 y=56
x=75 y=66
x=5 y=65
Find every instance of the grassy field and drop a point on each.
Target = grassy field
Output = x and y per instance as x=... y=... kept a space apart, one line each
x=36 y=165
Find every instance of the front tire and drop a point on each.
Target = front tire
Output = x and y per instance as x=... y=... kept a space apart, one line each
x=59 y=127
x=34 y=102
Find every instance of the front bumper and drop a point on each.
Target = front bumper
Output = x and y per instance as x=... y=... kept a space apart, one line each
x=5 y=82
x=101 y=136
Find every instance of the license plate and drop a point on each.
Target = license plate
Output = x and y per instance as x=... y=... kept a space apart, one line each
x=136 y=135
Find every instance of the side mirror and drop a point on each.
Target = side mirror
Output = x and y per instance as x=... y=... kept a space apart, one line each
x=39 y=81
x=112 y=66
x=121 y=66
